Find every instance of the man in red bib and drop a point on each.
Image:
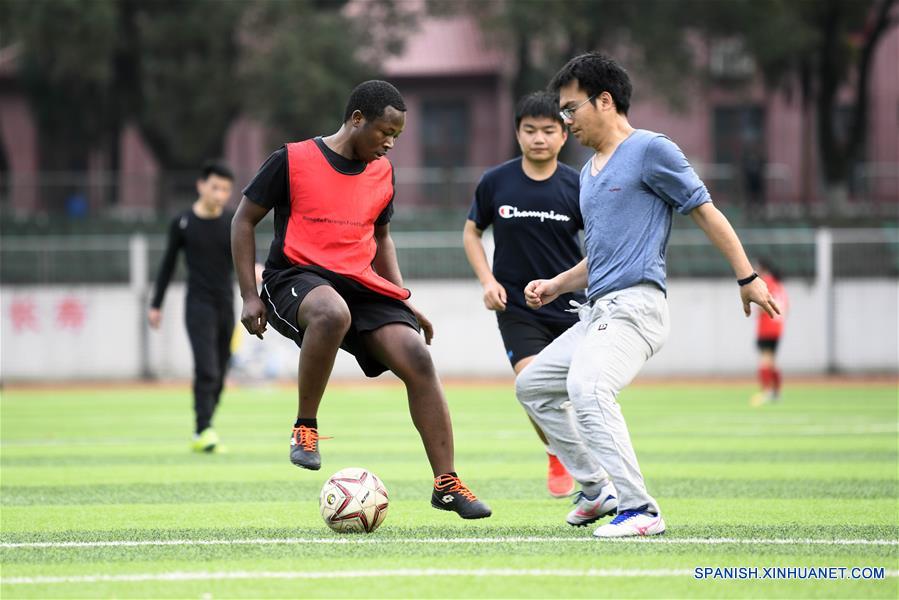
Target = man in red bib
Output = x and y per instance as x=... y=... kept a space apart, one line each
x=332 y=279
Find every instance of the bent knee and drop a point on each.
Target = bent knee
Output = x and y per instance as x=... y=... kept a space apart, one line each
x=333 y=316
x=526 y=385
x=208 y=377
x=417 y=361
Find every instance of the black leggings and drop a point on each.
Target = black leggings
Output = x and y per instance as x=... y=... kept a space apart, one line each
x=210 y=326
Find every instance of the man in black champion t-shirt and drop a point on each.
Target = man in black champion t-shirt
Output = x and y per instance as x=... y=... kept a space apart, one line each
x=204 y=233
x=532 y=203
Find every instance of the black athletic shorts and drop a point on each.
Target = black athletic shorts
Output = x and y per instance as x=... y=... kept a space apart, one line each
x=767 y=344
x=526 y=336
x=283 y=290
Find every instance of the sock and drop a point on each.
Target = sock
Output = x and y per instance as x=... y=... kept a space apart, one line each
x=451 y=473
x=311 y=423
x=591 y=490
x=766 y=378
x=643 y=509
x=775 y=380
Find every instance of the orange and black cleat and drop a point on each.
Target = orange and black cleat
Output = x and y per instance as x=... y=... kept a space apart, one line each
x=304 y=448
x=453 y=495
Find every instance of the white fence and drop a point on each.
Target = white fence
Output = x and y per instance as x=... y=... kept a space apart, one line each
x=66 y=332
x=97 y=332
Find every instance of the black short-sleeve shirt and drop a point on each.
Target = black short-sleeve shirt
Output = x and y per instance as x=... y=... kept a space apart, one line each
x=270 y=188
x=535 y=230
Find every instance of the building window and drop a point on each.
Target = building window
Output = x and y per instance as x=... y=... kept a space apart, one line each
x=445 y=133
x=737 y=129
x=739 y=145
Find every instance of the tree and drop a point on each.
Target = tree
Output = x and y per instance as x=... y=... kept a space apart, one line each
x=813 y=50
x=809 y=48
x=184 y=88
x=298 y=84
x=647 y=35
x=546 y=34
x=163 y=65
x=182 y=70
x=70 y=91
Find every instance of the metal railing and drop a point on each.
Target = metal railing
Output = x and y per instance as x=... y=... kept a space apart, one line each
x=110 y=259
x=873 y=190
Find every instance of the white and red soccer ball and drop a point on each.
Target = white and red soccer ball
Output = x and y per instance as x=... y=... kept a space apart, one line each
x=353 y=500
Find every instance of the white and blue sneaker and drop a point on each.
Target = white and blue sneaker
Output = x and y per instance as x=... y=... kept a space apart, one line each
x=631 y=523
x=590 y=510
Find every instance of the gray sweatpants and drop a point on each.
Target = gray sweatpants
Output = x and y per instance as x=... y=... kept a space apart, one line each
x=589 y=365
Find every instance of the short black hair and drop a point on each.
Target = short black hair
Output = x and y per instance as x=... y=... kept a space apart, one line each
x=371 y=98
x=596 y=73
x=215 y=167
x=538 y=104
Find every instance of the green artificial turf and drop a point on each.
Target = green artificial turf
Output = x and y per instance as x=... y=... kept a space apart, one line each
x=738 y=486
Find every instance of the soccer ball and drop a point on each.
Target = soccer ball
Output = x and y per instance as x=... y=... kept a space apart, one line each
x=353 y=501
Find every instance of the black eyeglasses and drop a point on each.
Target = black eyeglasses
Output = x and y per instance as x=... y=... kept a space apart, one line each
x=567 y=114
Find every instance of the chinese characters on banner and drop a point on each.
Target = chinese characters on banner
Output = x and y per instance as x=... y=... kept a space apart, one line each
x=68 y=312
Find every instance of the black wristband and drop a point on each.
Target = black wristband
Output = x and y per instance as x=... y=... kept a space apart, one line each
x=747 y=280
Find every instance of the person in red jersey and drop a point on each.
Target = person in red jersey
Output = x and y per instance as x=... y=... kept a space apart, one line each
x=332 y=279
x=769 y=330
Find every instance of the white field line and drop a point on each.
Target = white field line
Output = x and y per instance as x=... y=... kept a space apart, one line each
x=218 y=576
x=207 y=576
x=443 y=541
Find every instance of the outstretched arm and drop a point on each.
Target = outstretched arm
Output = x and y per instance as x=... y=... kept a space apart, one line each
x=719 y=231
x=243 y=252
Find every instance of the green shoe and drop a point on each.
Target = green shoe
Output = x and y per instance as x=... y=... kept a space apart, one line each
x=206 y=441
x=219 y=449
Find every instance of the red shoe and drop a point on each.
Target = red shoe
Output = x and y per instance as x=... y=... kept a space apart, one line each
x=559 y=481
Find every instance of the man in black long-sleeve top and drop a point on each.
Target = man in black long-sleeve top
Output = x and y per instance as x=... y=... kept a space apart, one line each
x=203 y=232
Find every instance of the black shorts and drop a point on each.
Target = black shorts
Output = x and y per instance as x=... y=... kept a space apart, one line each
x=283 y=290
x=767 y=344
x=526 y=336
